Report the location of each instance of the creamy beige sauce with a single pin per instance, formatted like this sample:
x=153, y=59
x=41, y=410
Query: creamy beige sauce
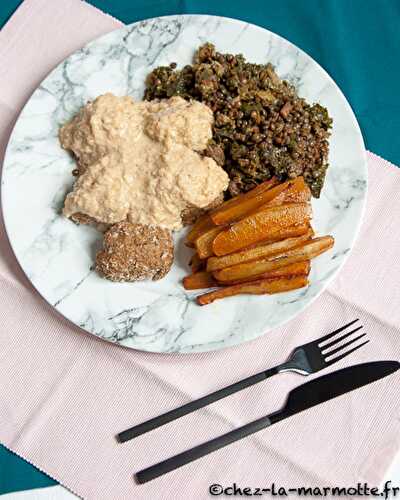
x=139, y=161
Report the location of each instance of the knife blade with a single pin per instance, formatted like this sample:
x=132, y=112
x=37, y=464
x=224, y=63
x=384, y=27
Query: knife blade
x=303, y=397
x=333, y=385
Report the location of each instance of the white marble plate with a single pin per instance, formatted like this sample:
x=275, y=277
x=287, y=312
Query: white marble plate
x=57, y=255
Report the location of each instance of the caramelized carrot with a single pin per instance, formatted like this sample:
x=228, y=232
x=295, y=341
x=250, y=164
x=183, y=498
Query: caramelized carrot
x=196, y=264
x=260, y=251
x=204, y=243
x=306, y=251
x=257, y=287
x=202, y=225
x=296, y=269
x=259, y=226
x=233, y=210
x=202, y=279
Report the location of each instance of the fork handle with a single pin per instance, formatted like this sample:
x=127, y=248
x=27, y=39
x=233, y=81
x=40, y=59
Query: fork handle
x=165, y=418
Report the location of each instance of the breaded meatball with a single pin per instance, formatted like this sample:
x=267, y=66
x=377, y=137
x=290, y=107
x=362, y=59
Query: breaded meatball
x=134, y=252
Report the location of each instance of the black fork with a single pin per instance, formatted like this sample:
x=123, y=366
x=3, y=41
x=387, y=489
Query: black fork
x=304, y=360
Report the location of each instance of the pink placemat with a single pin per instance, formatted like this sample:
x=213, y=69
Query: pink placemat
x=65, y=394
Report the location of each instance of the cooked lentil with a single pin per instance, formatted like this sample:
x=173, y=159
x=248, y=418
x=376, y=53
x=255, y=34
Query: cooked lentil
x=261, y=126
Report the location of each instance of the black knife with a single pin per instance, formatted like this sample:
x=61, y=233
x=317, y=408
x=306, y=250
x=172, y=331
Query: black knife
x=301, y=398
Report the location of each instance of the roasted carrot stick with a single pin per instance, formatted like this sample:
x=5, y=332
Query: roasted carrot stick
x=296, y=269
x=247, y=203
x=260, y=251
x=202, y=225
x=289, y=232
x=260, y=226
x=204, y=243
x=264, y=186
x=257, y=287
x=202, y=279
x=196, y=264
x=297, y=192
x=306, y=251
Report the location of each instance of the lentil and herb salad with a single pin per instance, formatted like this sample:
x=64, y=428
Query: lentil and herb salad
x=262, y=128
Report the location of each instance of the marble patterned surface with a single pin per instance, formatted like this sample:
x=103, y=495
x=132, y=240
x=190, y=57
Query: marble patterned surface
x=57, y=255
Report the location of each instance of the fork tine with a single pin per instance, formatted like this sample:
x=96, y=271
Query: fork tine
x=341, y=347
x=335, y=341
x=338, y=358
x=330, y=335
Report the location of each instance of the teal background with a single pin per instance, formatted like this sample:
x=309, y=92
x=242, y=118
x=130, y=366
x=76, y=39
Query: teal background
x=356, y=41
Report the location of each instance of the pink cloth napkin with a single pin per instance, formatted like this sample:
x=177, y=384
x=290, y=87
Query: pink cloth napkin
x=65, y=394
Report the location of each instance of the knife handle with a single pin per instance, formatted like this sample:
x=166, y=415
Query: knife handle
x=165, y=418
x=201, y=450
